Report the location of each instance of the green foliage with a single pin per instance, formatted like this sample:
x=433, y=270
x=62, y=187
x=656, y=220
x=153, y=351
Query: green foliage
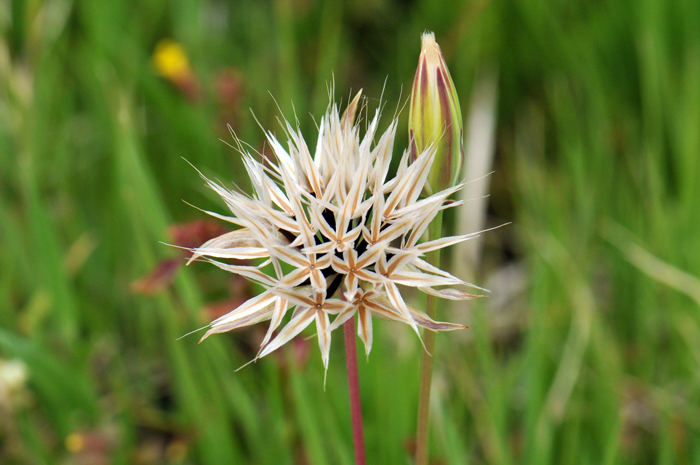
x=597, y=141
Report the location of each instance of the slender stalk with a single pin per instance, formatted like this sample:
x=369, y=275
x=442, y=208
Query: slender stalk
x=426, y=375
x=358, y=437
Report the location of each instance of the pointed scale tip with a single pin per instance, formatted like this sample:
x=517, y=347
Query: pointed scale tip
x=427, y=39
x=206, y=335
x=430, y=50
x=348, y=118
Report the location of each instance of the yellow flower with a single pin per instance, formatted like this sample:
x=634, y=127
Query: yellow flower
x=171, y=61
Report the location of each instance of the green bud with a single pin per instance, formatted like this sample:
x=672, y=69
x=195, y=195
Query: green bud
x=435, y=116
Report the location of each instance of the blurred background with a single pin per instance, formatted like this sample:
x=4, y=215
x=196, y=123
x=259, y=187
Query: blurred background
x=587, y=351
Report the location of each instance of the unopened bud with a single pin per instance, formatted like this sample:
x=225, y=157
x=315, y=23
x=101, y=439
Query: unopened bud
x=435, y=116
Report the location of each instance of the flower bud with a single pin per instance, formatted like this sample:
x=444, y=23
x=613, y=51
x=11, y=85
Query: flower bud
x=435, y=116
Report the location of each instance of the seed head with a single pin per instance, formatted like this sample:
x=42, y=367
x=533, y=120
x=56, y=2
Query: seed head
x=349, y=235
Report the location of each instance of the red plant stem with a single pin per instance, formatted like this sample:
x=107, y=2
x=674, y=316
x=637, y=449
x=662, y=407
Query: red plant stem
x=358, y=437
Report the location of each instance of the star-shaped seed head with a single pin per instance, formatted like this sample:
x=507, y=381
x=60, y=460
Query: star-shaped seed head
x=337, y=237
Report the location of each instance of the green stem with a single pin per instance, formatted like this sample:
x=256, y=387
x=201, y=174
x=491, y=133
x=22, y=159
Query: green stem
x=426, y=375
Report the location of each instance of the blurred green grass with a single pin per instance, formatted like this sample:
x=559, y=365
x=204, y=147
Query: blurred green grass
x=597, y=149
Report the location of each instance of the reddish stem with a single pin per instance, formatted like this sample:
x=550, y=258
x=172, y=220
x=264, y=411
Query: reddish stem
x=354, y=387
